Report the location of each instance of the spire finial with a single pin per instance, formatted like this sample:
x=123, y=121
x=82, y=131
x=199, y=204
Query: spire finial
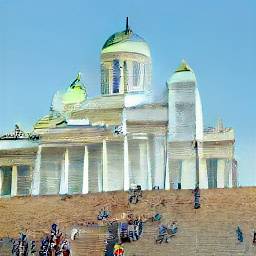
x=78, y=78
x=127, y=26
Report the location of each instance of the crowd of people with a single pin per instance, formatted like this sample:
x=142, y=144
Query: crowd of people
x=131, y=229
x=135, y=194
x=54, y=244
x=21, y=246
x=128, y=230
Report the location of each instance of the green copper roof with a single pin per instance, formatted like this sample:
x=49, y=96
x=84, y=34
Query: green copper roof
x=126, y=35
x=76, y=92
x=50, y=121
x=126, y=41
x=183, y=67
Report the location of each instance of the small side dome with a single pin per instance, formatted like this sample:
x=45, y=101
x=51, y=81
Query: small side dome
x=52, y=120
x=183, y=73
x=76, y=93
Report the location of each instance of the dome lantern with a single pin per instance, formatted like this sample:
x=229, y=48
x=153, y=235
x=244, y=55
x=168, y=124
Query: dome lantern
x=125, y=63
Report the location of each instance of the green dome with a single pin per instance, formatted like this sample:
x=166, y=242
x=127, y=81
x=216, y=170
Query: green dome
x=76, y=93
x=126, y=41
x=50, y=121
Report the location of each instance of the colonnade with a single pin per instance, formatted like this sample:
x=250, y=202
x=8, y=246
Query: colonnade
x=113, y=166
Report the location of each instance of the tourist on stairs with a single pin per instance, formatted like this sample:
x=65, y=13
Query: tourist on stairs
x=196, y=197
x=254, y=237
x=239, y=233
x=118, y=250
x=173, y=228
x=162, y=234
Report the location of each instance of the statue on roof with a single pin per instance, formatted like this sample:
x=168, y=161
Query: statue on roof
x=18, y=134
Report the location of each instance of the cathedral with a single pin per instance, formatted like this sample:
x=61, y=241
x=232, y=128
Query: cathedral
x=122, y=137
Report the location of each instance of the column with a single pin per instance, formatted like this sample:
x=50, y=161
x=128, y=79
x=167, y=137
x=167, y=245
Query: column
x=230, y=185
x=141, y=175
x=14, y=180
x=85, y=189
x=149, y=174
x=158, y=173
x=167, y=174
x=36, y=173
x=126, y=165
x=188, y=174
x=220, y=173
x=64, y=175
x=203, y=176
x=105, y=166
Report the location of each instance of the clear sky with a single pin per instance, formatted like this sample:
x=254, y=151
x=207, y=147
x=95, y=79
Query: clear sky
x=43, y=44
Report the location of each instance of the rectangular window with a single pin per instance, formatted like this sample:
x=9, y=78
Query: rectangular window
x=104, y=79
x=116, y=76
x=136, y=74
x=125, y=76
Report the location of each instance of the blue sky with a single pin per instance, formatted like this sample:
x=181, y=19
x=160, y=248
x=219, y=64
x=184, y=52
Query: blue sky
x=43, y=44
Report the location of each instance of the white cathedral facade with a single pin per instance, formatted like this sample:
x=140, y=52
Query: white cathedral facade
x=122, y=137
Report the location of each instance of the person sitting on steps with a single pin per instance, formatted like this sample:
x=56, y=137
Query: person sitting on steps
x=173, y=228
x=162, y=234
x=156, y=217
x=103, y=214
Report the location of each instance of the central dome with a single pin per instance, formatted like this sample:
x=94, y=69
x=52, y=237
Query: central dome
x=126, y=41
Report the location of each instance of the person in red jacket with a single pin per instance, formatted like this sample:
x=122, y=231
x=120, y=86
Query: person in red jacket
x=118, y=250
